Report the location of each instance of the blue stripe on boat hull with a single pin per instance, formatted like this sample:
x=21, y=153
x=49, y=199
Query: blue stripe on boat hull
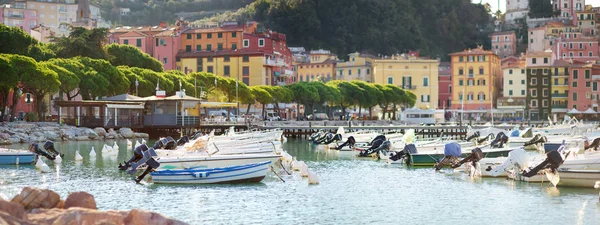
x=12, y=159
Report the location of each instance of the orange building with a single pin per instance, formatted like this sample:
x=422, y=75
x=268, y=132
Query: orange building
x=226, y=37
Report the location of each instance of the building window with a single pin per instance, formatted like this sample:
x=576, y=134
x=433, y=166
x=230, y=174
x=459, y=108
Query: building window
x=209, y=35
x=209, y=69
x=358, y=72
x=522, y=92
x=245, y=58
x=533, y=61
x=522, y=71
x=219, y=47
x=545, y=81
x=425, y=81
x=480, y=71
x=460, y=82
x=233, y=46
x=208, y=47
x=189, y=36
x=574, y=97
x=510, y=92
x=198, y=47
x=246, y=81
x=545, y=60
x=510, y=82
x=590, y=54
x=368, y=71
x=245, y=71
x=233, y=34
x=470, y=71
x=390, y=80
x=125, y=42
x=575, y=74
x=534, y=103
x=219, y=35
x=533, y=81
x=587, y=84
x=226, y=70
x=261, y=42
x=226, y=58
x=198, y=36
x=574, y=84
x=587, y=74
x=246, y=43
x=164, y=60
x=460, y=71
x=209, y=59
x=188, y=48
x=509, y=71
x=533, y=92
x=545, y=92
x=522, y=81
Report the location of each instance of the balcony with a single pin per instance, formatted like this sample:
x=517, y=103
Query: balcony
x=19, y=5
x=516, y=103
x=560, y=95
x=62, y=10
x=21, y=16
x=470, y=76
x=273, y=62
x=410, y=87
x=288, y=72
x=563, y=106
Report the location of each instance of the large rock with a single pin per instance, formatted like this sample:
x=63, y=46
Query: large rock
x=139, y=217
x=37, y=137
x=80, y=199
x=68, y=134
x=76, y=216
x=91, y=134
x=100, y=131
x=142, y=135
x=25, y=126
x=82, y=138
x=7, y=219
x=111, y=134
x=13, y=209
x=53, y=136
x=126, y=132
x=44, y=216
x=32, y=198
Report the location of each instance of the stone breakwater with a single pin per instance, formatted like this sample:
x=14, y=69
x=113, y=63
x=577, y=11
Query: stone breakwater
x=44, y=207
x=21, y=132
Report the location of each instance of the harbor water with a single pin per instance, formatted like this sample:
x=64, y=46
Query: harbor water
x=352, y=191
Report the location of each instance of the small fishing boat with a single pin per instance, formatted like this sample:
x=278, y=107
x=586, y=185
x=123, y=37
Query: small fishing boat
x=430, y=159
x=16, y=157
x=246, y=173
x=213, y=161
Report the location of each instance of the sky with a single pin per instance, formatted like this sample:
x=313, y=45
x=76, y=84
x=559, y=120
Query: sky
x=494, y=3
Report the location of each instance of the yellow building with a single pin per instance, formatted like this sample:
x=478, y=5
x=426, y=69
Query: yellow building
x=321, y=66
x=476, y=77
x=249, y=67
x=356, y=68
x=560, y=86
x=412, y=73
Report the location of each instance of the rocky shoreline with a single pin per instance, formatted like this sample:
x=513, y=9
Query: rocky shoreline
x=44, y=207
x=25, y=132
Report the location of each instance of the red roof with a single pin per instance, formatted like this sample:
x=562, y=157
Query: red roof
x=195, y=54
x=134, y=34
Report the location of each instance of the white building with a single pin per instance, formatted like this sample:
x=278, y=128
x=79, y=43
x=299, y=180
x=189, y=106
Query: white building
x=516, y=9
x=568, y=8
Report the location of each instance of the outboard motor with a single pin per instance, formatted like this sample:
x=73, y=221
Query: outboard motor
x=516, y=158
x=379, y=137
x=408, y=149
x=474, y=135
x=159, y=144
x=336, y=137
x=383, y=148
x=452, y=151
x=49, y=146
x=170, y=143
x=537, y=139
x=350, y=142
x=500, y=140
x=474, y=157
x=197, y=135
x=36, y=149
x=315, y=136
x=374, y=145
x=481, y=140
x=325, y=138
x=553, y=160
x=137, y=155
x=595, y=144
x=148, y=160
x=183, y=140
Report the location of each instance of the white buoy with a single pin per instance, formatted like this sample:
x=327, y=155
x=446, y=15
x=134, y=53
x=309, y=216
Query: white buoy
x=283, y=139
x=137, y=144
x=115, y=146
x=143, y=141
x=40, y=165
x=312, y=178
x=129, y=143
x=78, y=156
x=304, y=170
x=296, y=165
x=92, y=153
x=58, y=159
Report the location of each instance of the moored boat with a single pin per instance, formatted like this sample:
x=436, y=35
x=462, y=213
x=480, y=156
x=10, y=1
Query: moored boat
x=245, y=173
x=16, y=157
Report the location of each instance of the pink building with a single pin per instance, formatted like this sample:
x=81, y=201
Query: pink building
x=504, y=44
x=568, y=8
x=575, y=46
x=138, y=39
x=444, y=85
x=580, y=88
x=166, y=45
x=275, y=48
x=586, y=21
x=16, y=15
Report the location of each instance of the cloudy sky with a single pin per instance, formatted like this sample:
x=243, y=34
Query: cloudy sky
x=494, y=3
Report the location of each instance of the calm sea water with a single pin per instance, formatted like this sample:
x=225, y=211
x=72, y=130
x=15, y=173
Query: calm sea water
x=352, y=191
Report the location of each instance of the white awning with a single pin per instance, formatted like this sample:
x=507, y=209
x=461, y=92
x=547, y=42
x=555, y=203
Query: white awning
x=123, y=106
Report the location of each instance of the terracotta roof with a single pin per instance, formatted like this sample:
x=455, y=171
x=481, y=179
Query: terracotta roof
x=134, y=34
x=503, y=33
x=560, y=63
x=214, y=29
x=555, y=24
x=196, y=54
x=475, y=51
x=328, y=61
x=144, y=29
x=538, y=54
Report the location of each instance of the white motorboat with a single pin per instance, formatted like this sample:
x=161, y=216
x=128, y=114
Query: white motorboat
x=213, y=161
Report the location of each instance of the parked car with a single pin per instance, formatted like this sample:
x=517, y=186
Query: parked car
x=271, y=116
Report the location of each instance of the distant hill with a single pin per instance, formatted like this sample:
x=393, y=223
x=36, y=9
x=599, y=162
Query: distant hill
x=434, y=27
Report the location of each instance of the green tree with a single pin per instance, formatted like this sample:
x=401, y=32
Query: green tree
x=16, y=41
x=69, y=72
x=24, y=67
x=82, y=42
x=43, y=81
x=350, y=93
x=262, y=96
x=303, y=94
x=109, y=74
x=8, y=75
x=372, y=96
x=128, y=55
x=391, y=96
x=540, y=8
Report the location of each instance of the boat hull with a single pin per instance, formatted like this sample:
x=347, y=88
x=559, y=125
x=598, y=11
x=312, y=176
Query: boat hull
x=234, y=174
x=16, y=157
x=215, y=161
x=426, y=159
